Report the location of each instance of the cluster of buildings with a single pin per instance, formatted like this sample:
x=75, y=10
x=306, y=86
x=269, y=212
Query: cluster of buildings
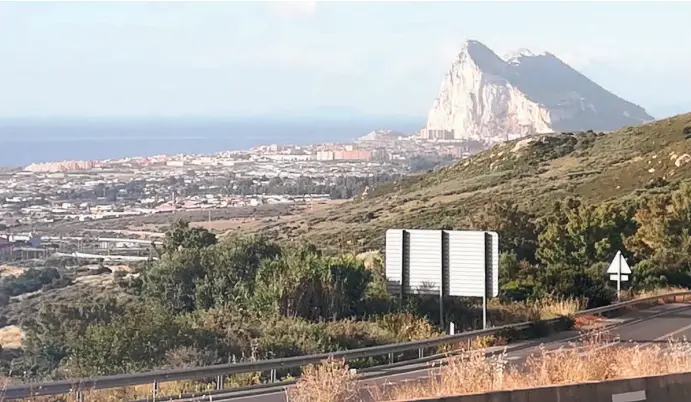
x=10, y=242
x=381, y=146
x=44, y=193
x=62, y=166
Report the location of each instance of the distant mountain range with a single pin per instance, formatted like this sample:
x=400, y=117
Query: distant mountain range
x=492, y=99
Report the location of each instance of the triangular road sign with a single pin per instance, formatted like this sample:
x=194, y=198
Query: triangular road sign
x=619, y=265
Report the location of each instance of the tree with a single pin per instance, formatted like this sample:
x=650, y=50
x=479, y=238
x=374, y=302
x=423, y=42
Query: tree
x=200, y=278
x=53, y=333
x=664, y=223
x=181, y=235
x=580, y=235
x=231, y=270
x=172, y=280
x=306, y=284
x=134, y=341
x=515, y=227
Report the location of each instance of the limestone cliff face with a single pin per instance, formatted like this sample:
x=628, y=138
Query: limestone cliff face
x=484, y=97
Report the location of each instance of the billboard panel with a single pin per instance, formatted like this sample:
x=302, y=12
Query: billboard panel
x=425, y=270
x=492, y=264
x=466, y=263
x=393, y=259
x=463, y=263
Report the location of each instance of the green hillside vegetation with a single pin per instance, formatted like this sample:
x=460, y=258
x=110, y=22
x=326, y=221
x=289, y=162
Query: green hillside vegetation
x=533, y=173
x=562, y=205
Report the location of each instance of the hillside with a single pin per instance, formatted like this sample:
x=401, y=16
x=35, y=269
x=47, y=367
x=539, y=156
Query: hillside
x=533, y=171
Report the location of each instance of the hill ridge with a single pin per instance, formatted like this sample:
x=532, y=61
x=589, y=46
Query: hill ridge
x=533, y=172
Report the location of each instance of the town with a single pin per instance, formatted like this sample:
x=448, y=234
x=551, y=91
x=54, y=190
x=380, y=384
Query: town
x=42, y=194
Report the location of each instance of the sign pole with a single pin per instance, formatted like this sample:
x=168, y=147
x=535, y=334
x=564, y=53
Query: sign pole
x=484, y=289
x=441, y=308
x=442, y=276
x=484, y=312
x=619, y=278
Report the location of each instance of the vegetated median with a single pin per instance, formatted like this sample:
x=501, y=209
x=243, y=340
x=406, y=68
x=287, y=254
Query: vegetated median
x=473, y=372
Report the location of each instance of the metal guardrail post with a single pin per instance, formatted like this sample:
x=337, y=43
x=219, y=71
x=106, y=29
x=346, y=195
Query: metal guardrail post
x=155, y=390
x=390, y=358
x=272, y=376
x=80, y=396
x=219, y=381
x=421, y=353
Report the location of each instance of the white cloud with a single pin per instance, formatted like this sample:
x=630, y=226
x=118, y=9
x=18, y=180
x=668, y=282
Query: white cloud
x=293, y=9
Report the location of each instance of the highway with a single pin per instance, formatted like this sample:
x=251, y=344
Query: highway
x=656, y=324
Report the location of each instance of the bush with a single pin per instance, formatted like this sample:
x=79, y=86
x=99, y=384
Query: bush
x=138, y=340
x=30, y=280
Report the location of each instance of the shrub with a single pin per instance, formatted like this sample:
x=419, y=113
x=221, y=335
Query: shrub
x=30, y=280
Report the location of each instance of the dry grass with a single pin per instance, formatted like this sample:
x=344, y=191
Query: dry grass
x=10, y=270
x=544, y=309
x=549, y=308
x=255, y=223
x=595, y=359
x=331, y=381
x=11, y=337
x=653, y=292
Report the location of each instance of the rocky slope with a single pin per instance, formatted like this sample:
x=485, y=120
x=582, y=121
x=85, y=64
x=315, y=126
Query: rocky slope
x=487, y=98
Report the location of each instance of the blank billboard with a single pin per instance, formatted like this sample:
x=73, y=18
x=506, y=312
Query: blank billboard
x=462, y=263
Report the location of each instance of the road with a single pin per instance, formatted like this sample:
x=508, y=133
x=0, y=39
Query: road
x=656, y=324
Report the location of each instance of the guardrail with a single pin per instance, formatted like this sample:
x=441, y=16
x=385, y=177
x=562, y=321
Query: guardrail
x=271, y=365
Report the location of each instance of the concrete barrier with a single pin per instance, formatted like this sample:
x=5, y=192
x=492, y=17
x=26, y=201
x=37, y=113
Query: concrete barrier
x=662, y=388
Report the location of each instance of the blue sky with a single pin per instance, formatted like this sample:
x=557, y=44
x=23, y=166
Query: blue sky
x=237, y=59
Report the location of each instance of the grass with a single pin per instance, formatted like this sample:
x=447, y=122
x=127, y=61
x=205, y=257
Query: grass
x=653, y=292
x=536, y=171
x=543, y=309
x=332, y=378
x=593, y=360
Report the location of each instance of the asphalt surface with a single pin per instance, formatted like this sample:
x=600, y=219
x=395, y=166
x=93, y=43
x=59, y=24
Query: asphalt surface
x=655, y=325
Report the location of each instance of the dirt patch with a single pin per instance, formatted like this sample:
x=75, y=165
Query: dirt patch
x=254, y=224
x=586, y=320
x=224, y=225
x=11, y=337
x=559, y=167
x=10, y=270
x=95, y=280
x=123, y=268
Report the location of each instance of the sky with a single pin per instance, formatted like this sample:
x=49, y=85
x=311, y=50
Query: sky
x=258, y=58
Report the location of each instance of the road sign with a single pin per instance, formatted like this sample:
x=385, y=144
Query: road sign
x=443, y=262
x=619, y=271
x=619, y=265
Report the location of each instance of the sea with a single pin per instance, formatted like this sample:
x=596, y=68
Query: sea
x=26, y=141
